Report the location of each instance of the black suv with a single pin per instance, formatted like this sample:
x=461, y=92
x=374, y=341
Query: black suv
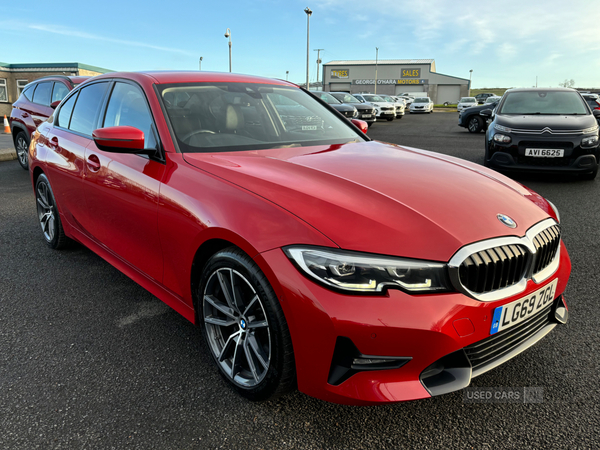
x=348, y=111
x=471, y=119
x=544, y=130
x=35, y=104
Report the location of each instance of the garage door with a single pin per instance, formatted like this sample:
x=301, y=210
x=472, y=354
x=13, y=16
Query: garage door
x=448, y=93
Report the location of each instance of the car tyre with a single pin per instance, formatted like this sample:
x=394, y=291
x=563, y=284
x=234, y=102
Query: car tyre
x=48, y=215
x=389, y=119
x=475, y=124
x=22, y=149
x=244, y=326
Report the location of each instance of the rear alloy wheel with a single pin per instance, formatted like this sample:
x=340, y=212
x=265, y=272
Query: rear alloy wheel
x=389, y=119
x=475, y=124
x=244, y=326
x=48, y=215
x=22, y=148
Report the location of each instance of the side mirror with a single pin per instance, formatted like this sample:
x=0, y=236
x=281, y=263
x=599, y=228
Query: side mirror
x=487, y=113
x=361, y=124
x=53, y=105
x=121, y=139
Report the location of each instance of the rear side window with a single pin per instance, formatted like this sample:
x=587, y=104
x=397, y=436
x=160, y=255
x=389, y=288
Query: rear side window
x=59, y=92
x=28, y=92
x=41, y=96
x=85, y=113
x=64, y=115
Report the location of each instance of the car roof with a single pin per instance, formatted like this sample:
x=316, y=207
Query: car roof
x=548, y=89
x=167, y=77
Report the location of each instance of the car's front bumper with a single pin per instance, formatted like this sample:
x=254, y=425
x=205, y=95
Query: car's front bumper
x=422, y=329
x=511, y=157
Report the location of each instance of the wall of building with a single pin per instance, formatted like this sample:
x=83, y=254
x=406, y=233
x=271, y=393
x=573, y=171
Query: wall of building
x=393, y=79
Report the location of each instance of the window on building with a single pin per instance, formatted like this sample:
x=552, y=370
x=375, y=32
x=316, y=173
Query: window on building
x=3, y=93
x=20, y=86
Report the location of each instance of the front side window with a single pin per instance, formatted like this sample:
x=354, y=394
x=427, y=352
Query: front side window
x=85, y=112
x=543, y=102
x=210, y=117
x=41, y=96
x=3, y=93
x=59, y=92
x=128, y=107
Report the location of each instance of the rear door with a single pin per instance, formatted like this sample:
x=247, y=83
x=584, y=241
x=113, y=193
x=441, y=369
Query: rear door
x=66, y=141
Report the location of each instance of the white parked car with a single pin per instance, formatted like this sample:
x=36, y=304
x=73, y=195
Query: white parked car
x=466, y=102
x=383, y=109
x=408, y=99
x=421, y=104
x=399, y=105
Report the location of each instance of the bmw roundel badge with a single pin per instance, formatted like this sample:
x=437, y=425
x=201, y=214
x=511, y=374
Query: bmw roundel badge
x=507, y=221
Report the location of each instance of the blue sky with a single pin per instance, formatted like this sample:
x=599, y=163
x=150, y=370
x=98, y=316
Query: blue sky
x=507, y=43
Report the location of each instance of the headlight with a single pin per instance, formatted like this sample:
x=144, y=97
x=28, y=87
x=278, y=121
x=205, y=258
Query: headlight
x=591, y=129
x=555, y=209
x=502, y=138
x=503, y=129
x=591, y=141
x=360, y=272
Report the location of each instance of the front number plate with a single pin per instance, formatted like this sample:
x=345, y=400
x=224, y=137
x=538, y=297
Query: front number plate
x=516, y=312
x=366, y=116
x=545, y=152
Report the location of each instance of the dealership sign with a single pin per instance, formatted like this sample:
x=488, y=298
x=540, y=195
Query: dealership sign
x=340, y=73
x=410, y=73
x=395, y=81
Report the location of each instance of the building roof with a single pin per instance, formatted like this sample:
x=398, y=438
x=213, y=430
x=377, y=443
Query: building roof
x=50, y=67
x=381, y=61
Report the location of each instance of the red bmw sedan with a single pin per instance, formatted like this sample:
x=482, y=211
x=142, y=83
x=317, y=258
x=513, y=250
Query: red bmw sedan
x=309, y=255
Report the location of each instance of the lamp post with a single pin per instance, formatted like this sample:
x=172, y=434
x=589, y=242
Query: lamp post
x=308, y=12
x=318, y=50
x=376, y=58
x=200, y=63
x=470, y=73
x=228, y=35
x=287, y=72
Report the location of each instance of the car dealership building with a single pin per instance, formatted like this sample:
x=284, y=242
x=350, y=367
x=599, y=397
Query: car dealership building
x=394, y=76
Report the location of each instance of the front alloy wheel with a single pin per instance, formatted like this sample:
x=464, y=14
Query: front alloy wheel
x=244, y=326
x=22, y=147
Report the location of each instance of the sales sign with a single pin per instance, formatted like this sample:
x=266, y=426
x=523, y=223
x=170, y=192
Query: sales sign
x=411, y=73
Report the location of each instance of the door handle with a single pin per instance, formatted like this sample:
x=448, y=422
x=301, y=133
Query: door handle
x=93, y=163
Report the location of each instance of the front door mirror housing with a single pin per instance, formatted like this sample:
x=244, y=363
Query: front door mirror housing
x=361, y=124
x=120, y=139
x=487, y=113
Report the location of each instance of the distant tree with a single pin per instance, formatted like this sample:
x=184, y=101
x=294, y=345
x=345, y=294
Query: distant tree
x=567, y=83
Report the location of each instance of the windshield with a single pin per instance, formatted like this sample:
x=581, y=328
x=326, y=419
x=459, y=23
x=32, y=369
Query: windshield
x=387, y=98
x=422, y=100
x=326, y=97
x=346, y=98
x=543, y=102
x=468, y=100
x=373, y=98
x=218, y=117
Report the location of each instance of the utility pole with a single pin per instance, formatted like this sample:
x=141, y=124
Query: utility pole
x=308, y=12
x=318, y=50
x=376, y=59
x=200, y=64
x=287, y=72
